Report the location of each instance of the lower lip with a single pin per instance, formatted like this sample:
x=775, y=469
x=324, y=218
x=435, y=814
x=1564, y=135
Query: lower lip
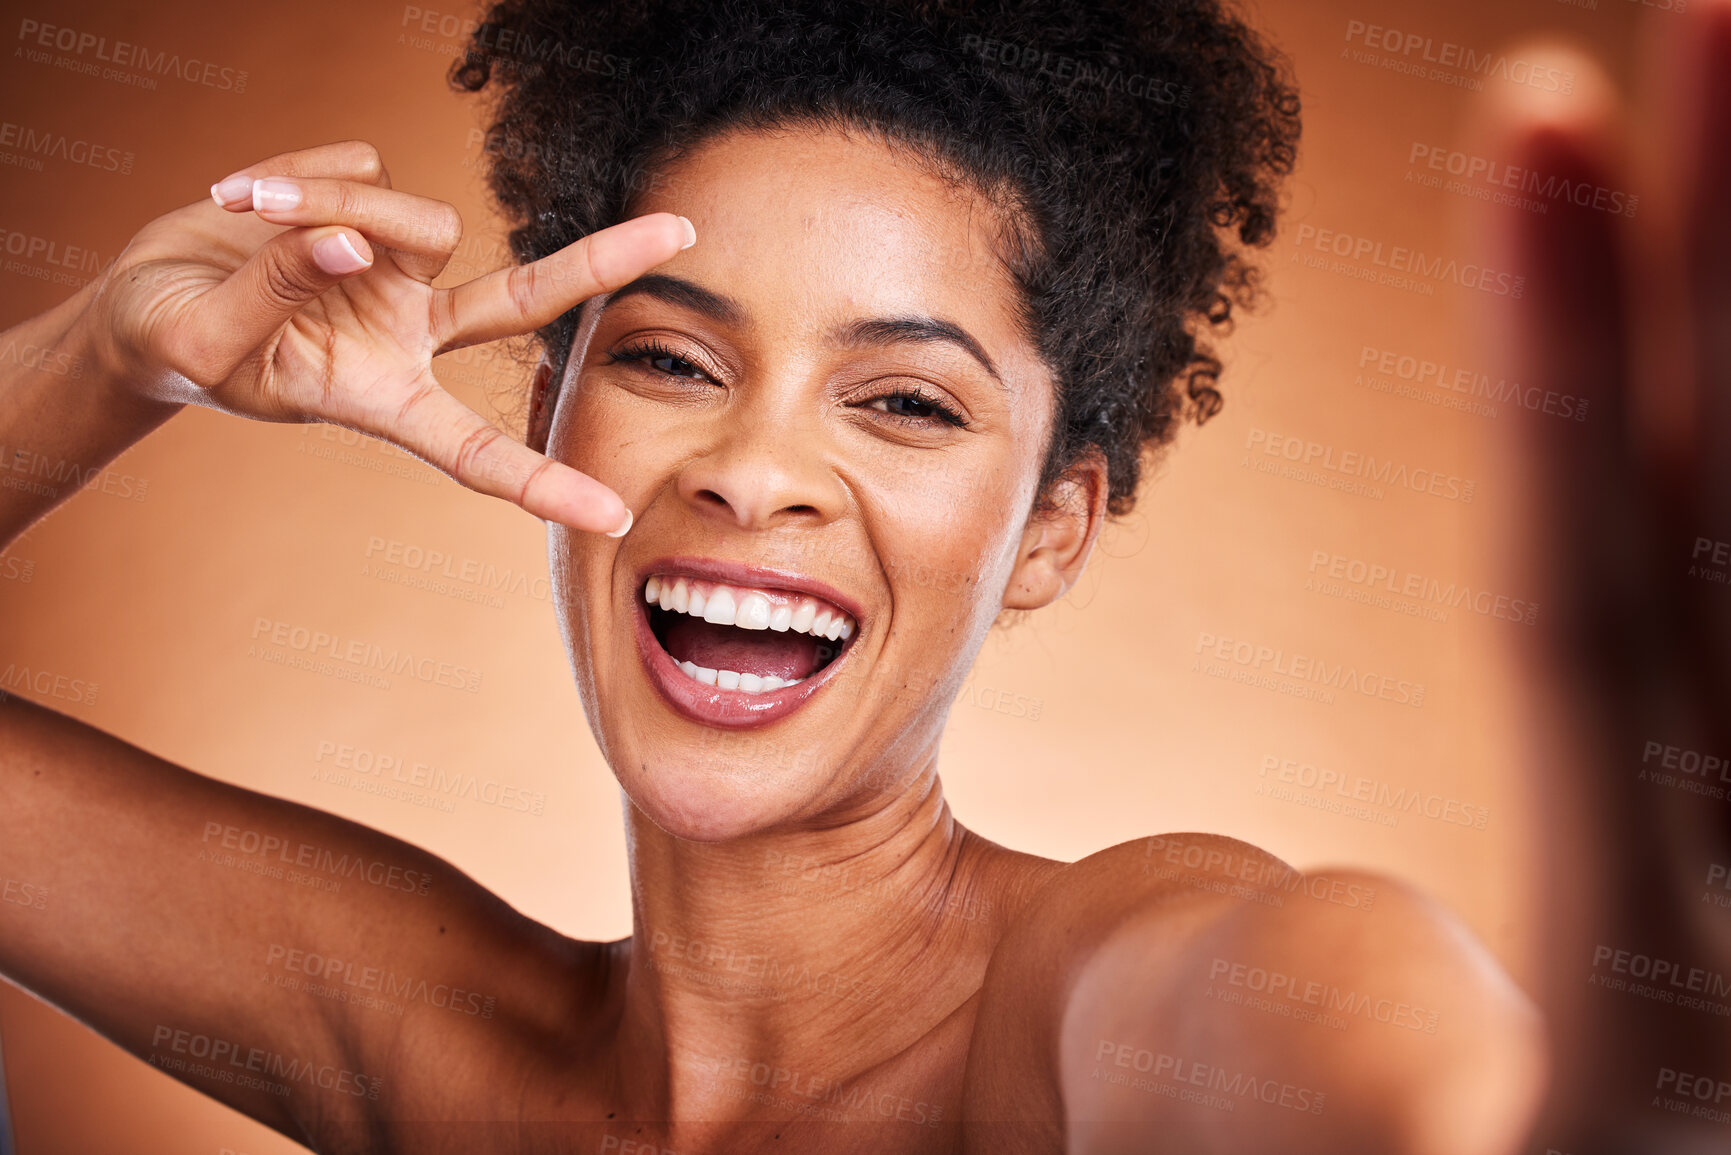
x=713, y=706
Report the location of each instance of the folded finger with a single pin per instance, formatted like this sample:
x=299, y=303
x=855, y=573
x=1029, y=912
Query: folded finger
x=408, y=225
x=345, y=160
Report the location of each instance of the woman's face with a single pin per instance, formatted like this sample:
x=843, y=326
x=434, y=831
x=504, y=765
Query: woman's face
x=830, y=426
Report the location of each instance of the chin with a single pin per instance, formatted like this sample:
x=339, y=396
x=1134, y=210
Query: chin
x=714, y=704
x=704, y=798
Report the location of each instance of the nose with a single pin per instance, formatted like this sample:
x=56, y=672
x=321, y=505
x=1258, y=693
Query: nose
x=764, y=467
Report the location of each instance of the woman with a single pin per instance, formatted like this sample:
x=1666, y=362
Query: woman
x=821, y=293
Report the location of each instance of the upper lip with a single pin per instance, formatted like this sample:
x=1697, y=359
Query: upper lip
x=736, y=573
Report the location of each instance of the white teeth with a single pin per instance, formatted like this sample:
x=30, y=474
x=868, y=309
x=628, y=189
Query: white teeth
x=719, y=609
x=749, y=609
x=744, y=609
x=753, y=612
x=732, y=680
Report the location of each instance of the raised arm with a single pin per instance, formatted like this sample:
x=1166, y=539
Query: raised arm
x=1193, y=988
x=266, y=953
x=307, y=297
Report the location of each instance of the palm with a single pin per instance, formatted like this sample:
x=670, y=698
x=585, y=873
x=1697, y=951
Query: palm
x=362, y=348
x=318, y=305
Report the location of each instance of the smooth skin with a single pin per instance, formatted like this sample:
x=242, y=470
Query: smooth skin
x=856, y=941
x=816, y=937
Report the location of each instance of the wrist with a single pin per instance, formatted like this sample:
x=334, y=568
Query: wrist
x=86, y=347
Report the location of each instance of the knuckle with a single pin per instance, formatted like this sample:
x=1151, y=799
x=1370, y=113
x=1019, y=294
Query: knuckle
x=593, y=273
x=438, y=228
x=284, y=281
x=367, y=163
x=345, y=205
x=447, y=226
x=442, y=319
x=529, y=480
x=603, y=268
x=472, y=460
x=520, y=285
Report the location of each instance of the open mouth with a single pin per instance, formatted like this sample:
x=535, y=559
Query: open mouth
x=752, y=639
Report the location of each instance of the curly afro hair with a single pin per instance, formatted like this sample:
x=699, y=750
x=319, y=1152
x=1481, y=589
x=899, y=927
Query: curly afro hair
x=1136, y=146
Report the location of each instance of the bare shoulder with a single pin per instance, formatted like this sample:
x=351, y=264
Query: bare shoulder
x=1318, y=1007
x=1181, y=880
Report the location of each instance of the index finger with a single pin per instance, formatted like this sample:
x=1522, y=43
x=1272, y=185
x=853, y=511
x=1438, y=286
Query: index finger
x=523, y=298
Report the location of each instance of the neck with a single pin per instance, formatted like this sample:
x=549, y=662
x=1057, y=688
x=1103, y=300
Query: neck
x=822, y=950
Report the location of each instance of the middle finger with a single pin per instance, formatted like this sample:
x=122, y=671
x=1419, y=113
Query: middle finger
x=424, y=230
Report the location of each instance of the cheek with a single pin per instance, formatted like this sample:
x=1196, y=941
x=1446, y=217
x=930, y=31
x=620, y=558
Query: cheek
x=570, y=558
x=583, y=434
x=627, y=444
x=572, y=555
x=948, y=542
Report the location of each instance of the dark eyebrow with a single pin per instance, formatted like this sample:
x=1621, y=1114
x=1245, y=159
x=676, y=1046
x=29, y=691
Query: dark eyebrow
x=879, y=331
x=677, y=291
x=889, y=331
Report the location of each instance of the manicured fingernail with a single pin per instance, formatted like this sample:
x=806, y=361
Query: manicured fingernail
x=278, y=196
x=231, y=190
x=625, y=527
x=690, y=239
x=336, y=255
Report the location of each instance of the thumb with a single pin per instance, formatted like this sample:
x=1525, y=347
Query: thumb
x=447, y=434
x=286, y=272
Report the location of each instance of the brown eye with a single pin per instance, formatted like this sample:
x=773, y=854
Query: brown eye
x=904, y=406
x=658, y=358
x=915, y=406
x=674, y=366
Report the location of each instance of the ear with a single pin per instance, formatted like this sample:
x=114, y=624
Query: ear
x=541, y=398
x=1060, y=535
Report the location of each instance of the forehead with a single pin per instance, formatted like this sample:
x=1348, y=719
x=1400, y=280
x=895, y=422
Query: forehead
x=810, y=227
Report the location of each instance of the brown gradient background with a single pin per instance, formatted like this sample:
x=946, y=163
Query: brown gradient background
x=154, y=600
